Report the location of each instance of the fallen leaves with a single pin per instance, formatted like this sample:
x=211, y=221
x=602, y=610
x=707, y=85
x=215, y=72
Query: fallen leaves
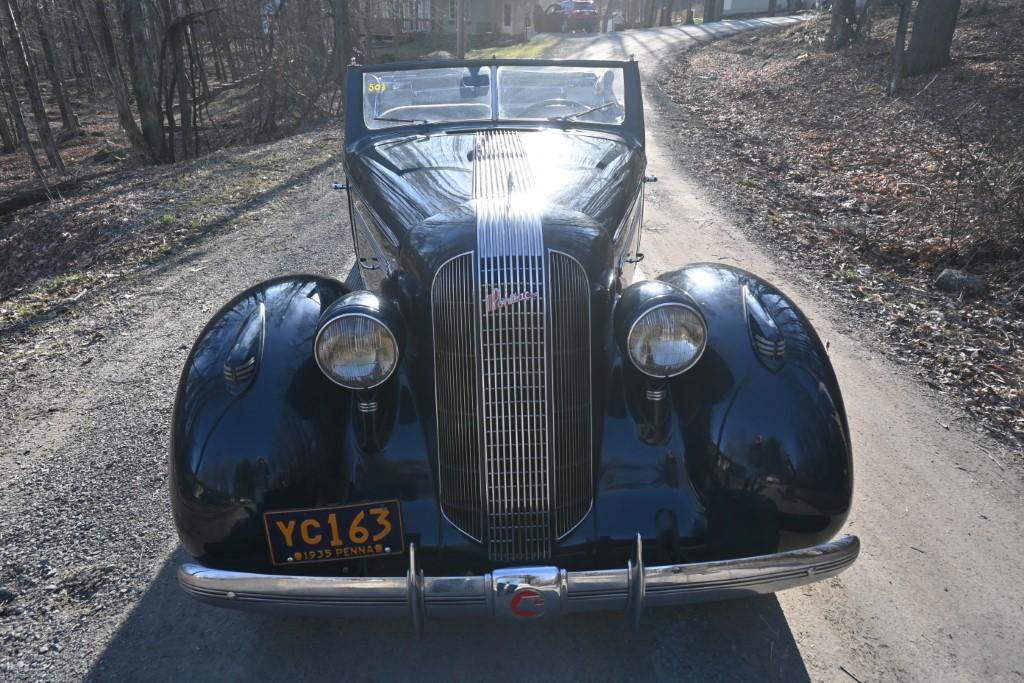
x=878, y=195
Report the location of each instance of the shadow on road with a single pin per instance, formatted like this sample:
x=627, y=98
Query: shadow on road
x=170, y=637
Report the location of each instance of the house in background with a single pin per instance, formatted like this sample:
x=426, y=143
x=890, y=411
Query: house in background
x=403, y=17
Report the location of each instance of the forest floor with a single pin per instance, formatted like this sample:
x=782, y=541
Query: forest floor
x=124, y=215
x=879, y=195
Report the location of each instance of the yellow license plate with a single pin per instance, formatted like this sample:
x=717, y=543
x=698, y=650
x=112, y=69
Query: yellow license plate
x=348, y=532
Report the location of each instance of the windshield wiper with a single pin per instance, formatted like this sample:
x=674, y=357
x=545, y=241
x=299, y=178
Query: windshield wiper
x=584, y=112
x=388, y=119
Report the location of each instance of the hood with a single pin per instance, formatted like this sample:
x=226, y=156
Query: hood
x=568, y=175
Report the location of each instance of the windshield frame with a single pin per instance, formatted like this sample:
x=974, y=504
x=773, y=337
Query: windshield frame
x=632, y=125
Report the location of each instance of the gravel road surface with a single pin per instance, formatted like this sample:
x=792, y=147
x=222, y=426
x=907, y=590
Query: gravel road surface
x=88, y=551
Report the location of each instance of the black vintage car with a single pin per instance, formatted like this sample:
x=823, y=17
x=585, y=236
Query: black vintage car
x=499, y=419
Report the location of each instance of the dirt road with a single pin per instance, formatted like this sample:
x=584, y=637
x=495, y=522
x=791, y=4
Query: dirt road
x=88, y=551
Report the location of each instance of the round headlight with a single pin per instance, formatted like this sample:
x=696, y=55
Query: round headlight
x=667, y=340
x=356, y=351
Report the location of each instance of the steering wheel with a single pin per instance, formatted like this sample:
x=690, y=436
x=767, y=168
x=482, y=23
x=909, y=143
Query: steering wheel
x=535, y=109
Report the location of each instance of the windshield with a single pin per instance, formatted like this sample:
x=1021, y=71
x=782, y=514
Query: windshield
x=481, y=93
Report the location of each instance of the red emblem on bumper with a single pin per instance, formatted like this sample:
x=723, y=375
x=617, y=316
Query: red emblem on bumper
x=531, y=598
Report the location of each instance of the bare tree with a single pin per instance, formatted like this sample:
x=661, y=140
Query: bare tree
x=867, y=18
x=342, y=49
x=67, y=117
x=138, y=38
x=899, y=47
x=713, y=10
x=7, y=141
x=844, y=24
x=934, y=24
x=31, y=85
x=667, y=11
x=103, y=42
x=7, y=76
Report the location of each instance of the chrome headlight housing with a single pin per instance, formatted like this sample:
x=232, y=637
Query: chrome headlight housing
x=660, y=329
x=357, y=344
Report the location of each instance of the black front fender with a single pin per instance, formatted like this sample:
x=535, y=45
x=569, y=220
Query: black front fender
x=767, y=439
x=256, y=424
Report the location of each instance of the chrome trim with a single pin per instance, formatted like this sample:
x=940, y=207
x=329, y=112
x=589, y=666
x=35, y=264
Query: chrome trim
x=527, y=593
x=656, y=394
x=468, y=596
x=366, y=406
x=414, y=578
x=636, y=585
x=394, y=340
x=513, y=350
x=697, y=357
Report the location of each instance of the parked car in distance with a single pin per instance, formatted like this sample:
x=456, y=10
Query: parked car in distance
x=571, y=16
x=498, y=414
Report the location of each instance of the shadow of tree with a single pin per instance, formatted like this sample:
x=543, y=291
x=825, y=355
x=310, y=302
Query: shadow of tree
x=179, y=253
x=168, y=636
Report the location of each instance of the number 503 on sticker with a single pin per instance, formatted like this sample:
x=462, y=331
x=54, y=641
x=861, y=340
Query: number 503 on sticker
x=336, y=533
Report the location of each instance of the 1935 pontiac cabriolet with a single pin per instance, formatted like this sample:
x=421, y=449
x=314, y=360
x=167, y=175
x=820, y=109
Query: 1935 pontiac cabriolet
x=500, y=420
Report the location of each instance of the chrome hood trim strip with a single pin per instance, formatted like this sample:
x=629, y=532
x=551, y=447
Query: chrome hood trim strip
x=513, y=350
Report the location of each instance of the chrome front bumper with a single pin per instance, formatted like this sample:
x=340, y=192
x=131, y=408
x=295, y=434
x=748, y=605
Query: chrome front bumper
x=522, y=593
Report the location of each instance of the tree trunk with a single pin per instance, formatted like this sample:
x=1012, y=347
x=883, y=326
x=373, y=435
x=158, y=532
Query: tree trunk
x=6, y=136
x=867, y=18
x=7, y=76
x=68, y=44
x=667, y=11
x=104, y=44
x=21, y=55
x=184, y=102
x=899, y=47
x=844, y=19
x=138, y=40
x=606, y=16
x=934, y=24
x=83, y=59
x=342, y=50
x=67, y=116
x=773, y=7
x=713, y=10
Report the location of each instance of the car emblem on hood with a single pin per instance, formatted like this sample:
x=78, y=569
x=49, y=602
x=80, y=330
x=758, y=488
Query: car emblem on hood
x=495, y=301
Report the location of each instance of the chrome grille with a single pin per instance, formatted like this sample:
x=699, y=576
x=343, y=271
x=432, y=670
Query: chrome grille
x=507, y=342
x=571, y=434
x=458, y=423
x=513, y=351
